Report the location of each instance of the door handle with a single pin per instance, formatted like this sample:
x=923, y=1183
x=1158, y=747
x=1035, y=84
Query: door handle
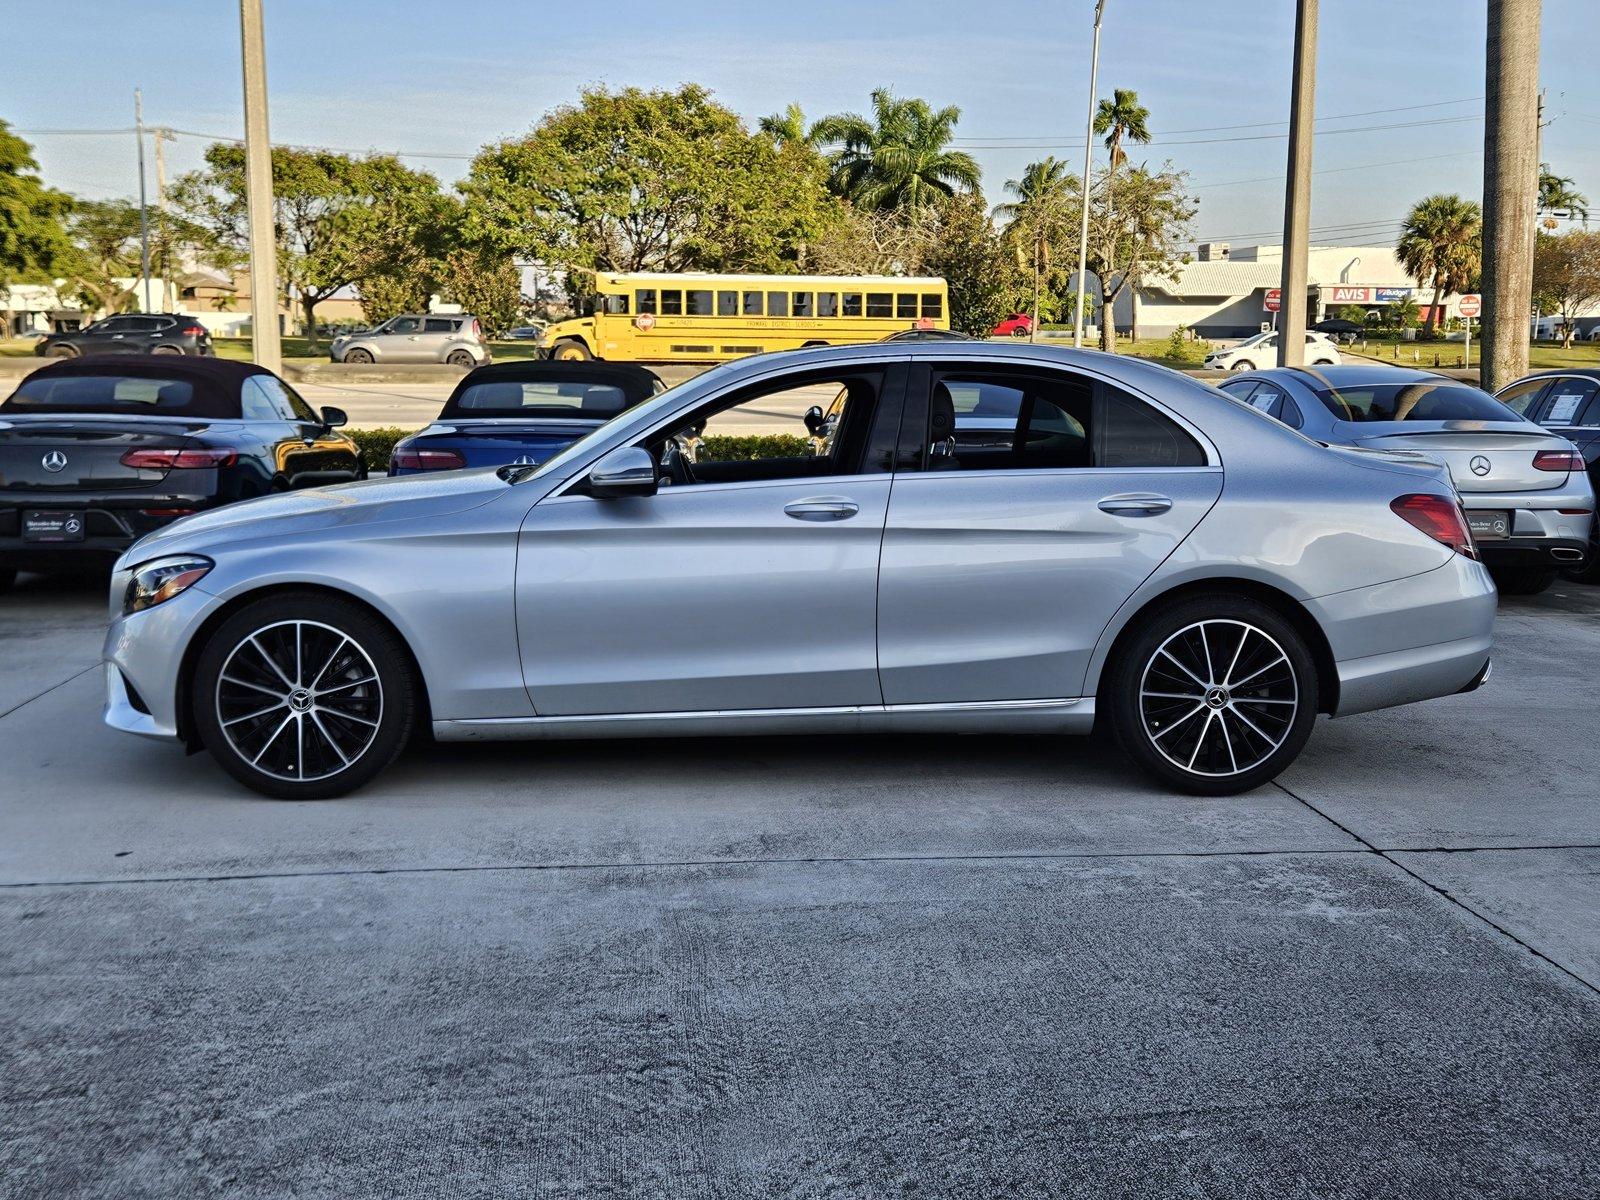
x=822, y=508
x=1136, y=504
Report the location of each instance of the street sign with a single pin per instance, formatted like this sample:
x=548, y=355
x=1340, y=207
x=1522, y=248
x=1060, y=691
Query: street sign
x=1471, y=306
x=1272, y=301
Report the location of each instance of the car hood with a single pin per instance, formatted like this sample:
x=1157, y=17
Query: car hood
x=407, y=498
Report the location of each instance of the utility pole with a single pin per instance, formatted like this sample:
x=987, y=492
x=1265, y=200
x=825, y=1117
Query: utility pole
x=1088, y=163
x=144, y=219
x=1510, y=187
x=162, y=135
x=265, y=343
x=1297, y=197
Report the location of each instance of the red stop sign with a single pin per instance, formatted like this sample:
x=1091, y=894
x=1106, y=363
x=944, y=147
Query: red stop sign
x=1272, y=300
x=645, y=322
x=1471, y=306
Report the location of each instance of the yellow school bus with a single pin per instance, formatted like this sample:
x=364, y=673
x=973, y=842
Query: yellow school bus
x=650, y=317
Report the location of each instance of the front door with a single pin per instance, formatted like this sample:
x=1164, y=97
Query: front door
x=1005, y=557
x=749, y=581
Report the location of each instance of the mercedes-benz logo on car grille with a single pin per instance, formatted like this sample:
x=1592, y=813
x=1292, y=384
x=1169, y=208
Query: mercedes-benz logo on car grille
x=526, y=460
x=1479, y=465
x=55, y=460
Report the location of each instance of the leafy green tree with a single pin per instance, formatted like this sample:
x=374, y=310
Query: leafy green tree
x=900, y=156
x=1566, y=276
x=1559, y=196
x=1441, y=240
x=1121, y=119
x=636, y=181
x=968, y=252
x=105, y=251
x=789, y=128
x=487, y=284
x=334, y=215
x=1039, y=228
x=1402, y=313
x=33, y=236
x=1138, y=238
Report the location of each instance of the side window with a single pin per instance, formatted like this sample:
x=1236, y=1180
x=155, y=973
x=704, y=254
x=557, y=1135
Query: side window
x=906, y=306
x=802, y=304
x=614, y=303
x=255, y=403
x=752, y=304
x=713, y=445
x=404, y=325
x=880, y=304
x=267, y=398
x=727, y=304
x=671, y=302
x=645, y=300
x=933, y=305
x=1567, y=399
x=697, y=302
x=1054, y=421
x=1520, y=397
x=852, y=304
x=1239, y=389
x=777, y=304
x=1289, y=413
x=438, y=325
x=827, y=304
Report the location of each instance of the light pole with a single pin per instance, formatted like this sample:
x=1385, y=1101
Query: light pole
x=1510, y=187
x=266, y=347
x=1088, y=162
x=1297, y=202
x=144, y=217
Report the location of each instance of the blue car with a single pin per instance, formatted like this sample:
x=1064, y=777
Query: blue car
x=522, y=412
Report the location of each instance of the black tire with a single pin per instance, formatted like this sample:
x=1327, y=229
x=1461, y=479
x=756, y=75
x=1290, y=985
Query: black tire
x=357, y=355
x=1243, y=365
x=461, y=358
x=570, y=350
x=1019, y=332
x=61, y=351
x=1262, y=649
x=1590, y=571
x=1523, y=581
x=365, y=726
x=165, y=350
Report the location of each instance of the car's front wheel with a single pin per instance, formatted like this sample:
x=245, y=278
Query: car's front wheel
x=1213, y=695
x=461, y=358
x=304, y=696
x=357, y=356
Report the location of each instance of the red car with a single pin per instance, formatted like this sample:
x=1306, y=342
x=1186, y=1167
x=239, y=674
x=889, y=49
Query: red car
x=1017, y=325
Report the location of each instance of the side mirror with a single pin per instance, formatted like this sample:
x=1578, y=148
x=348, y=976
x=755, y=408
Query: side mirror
x=332, y=417
x=625, y=471
x=813, y=419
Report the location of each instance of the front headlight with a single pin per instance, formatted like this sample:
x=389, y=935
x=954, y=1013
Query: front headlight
x=160, y=579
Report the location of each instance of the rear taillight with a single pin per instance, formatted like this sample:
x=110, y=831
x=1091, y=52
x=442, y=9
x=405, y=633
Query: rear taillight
x=180, y=460
x=194, y=331
x=1441, y=519
x=477, y=330
x=168, y=514
x=1558, y=460
x=426, y=460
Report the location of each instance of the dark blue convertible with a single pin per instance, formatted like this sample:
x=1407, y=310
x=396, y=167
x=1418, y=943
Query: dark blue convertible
x=522, y=412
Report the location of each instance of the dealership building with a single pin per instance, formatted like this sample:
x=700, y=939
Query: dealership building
x=1221, y=292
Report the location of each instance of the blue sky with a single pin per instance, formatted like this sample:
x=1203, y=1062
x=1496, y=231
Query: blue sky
x=446, y=78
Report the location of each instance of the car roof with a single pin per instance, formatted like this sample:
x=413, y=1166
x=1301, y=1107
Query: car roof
x=1350, y=375
x=216, y=381
x=636, y=383
x=1586, y=372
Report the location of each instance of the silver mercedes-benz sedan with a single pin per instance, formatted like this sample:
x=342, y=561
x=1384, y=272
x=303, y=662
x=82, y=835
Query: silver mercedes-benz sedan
x=1135, y=548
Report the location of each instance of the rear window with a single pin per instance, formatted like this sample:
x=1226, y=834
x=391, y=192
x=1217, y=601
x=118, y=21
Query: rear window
x=546, y=398
x=103, y=393
x=1426, y=400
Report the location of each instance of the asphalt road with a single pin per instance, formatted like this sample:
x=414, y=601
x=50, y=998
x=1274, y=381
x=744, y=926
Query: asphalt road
x=842, y=967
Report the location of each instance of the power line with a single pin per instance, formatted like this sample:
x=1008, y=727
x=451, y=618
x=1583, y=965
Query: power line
x=1259, y=137
x=1395, y=162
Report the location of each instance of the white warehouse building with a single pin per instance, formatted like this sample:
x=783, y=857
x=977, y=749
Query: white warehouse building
x=1221, y=292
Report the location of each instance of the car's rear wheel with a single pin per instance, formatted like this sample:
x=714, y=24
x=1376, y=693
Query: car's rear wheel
x=1019, y=332
x=1213, y=695
x=569, y=350
x=304, y=697
x=61, y=351
x=358, y=356
x=1523, y=581
x=165, y=350
x=461, y=358
x=1243, y=364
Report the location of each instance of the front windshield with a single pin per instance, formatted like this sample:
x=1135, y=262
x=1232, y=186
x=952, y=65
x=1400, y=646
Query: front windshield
x=1422, y=400
x=641, y=416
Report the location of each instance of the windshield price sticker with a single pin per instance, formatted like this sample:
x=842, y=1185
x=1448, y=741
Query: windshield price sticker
x=1562, y=409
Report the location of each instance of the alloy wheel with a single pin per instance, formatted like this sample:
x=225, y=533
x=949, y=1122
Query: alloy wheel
x=1218, y=697
x=299, y=700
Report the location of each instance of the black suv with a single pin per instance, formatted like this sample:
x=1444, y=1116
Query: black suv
x=131, y=333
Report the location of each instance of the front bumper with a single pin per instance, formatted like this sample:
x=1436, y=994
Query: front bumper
x=144, y=658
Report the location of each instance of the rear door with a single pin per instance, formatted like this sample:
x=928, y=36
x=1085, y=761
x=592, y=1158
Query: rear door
x=1007, y=550
x=437, y=334
x=402, y=341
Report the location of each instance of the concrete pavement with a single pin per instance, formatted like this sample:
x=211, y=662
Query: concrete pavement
x=798, y=967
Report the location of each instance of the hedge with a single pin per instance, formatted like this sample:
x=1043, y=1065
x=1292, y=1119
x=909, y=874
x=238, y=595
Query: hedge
x=377, y=444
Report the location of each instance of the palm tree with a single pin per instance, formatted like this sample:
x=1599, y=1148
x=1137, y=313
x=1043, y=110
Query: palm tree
x=1040, y=213
x=900, y=157
x=789, y=128
x=1122, y=118
x=1442, y=239
x=1559, y=196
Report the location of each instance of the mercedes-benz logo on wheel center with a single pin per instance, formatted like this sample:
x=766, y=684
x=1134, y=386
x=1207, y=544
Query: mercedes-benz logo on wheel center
x=1479, y=465
x=55, y=460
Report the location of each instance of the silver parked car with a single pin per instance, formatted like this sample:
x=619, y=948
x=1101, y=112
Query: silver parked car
x=454, y=338
x=1141, y=550
x=1525, y=489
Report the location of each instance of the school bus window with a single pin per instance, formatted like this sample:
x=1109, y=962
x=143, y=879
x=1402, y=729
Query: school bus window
x=777, y=304
x=880, y=304
x=827, y=304
x=932, y=304
x=614, y=304
x=699, y=303
x=906, y=305
x=852, y=304
x=645, y=300
x=671, y=302
x=802, y=304
x=752, y=304
x=727, y=304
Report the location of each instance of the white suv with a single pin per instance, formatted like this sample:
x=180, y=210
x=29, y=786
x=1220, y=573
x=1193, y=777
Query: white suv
x=1261, y=351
